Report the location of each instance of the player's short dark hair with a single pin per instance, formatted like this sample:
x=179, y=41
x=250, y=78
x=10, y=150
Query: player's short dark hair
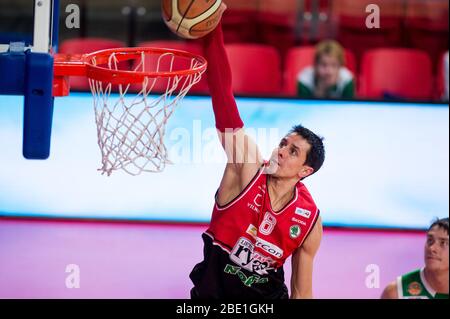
x=316, y=155
x=440, y=223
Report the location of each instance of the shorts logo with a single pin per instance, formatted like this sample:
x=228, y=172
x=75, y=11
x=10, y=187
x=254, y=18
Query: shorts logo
x=295, y=231
x=248, y=281
x=243, y=254
x=303, y=212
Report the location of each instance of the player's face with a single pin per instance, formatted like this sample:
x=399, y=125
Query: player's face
x=436, y=250
x=290, y=156
x=327, y=70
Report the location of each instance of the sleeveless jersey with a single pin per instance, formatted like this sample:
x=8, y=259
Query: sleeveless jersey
x=248, y=243
x=415, y=286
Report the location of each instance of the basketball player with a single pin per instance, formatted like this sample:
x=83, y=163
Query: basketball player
x=430, y=282
x=263, y=213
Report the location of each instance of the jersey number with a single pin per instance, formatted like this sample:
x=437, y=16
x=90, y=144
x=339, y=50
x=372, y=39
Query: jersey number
x=268, y=224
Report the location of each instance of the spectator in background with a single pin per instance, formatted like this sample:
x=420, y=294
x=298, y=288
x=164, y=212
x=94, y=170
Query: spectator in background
x=445, y=64
x=328, y=78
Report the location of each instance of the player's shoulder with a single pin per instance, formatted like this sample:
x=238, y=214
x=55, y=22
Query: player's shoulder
x=391, y=291
x=305, y=195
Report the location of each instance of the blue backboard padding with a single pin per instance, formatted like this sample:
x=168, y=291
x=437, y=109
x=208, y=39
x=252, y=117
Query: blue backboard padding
x=38, y=107
x=12, y=72
x=8, y=37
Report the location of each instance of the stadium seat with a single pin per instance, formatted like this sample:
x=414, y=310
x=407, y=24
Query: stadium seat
x=397, y=74
x=277, y=22
x=301, y=57
x=352, y=32
x=195, y=48
x=440, y=78
x=427, y=27
x=240, y=21
x=87, y=45
x=287, y=23
x=256, y=69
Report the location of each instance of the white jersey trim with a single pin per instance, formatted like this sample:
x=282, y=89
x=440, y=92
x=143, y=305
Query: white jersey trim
x=217, y=244
x=430, y=290
x=287, y=206
x=400, y=288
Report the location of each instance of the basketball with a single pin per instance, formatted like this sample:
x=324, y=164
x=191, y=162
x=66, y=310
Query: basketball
x=192, y=19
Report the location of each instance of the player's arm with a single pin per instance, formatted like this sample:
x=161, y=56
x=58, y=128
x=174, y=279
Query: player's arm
x=302, y=264
x=390, y=292
x=244, y=159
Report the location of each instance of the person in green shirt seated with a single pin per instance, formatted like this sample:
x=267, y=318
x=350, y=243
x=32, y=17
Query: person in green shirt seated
x=328, y=78
x=430, y=282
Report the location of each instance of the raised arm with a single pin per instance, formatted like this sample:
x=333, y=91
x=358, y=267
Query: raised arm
x=302, y=264
x=244, y=159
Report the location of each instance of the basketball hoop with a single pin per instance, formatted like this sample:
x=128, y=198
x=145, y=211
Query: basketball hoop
x=150, y=82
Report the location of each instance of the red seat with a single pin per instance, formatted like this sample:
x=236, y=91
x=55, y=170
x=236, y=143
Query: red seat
x=87, y=45
x=301, y=57
x=353, y=33
x=239, y=21
x=440, y=78
x=427, y=27
x=180, y=64
x=402, y=73
x=277, y=22
x=256, y=69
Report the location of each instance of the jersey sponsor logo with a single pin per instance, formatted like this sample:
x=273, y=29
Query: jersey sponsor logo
x=415, y=288
x=303, y=212
x=269, y=248
x=295, y=231
x=246, y=280
x=298, y=221
x=252, y=231
x=243, y=254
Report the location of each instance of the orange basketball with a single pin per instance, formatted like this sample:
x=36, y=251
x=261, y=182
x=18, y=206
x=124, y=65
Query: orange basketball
x=192, y=19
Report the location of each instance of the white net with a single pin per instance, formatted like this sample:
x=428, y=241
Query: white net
x=131, y=125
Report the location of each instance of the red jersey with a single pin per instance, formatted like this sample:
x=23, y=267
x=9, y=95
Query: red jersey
x=256, y=237
x=248, y=242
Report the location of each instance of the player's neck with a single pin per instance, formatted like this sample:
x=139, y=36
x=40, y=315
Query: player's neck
x=281, y=191
x=438, y=280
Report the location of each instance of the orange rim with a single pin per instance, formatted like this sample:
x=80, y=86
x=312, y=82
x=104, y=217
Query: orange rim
x=82, y=65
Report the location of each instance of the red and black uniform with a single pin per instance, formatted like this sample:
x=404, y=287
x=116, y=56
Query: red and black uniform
x=248, y=243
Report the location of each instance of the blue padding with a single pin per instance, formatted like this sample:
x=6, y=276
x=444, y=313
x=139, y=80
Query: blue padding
x=7, y=37
x=38, y=112
x=55, y=33
x=12, y=73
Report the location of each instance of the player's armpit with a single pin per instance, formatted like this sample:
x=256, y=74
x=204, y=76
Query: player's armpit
x=390, y=292
x=303, y=262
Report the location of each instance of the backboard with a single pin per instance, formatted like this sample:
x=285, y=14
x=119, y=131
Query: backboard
x=26, y=68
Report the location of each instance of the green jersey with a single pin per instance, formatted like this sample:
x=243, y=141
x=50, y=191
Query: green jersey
x=415, y=286
x=344, y=88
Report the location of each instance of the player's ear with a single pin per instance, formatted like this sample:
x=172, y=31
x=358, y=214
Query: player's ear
x=305, y=171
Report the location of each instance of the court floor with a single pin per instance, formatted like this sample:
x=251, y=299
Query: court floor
x=125, y=260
